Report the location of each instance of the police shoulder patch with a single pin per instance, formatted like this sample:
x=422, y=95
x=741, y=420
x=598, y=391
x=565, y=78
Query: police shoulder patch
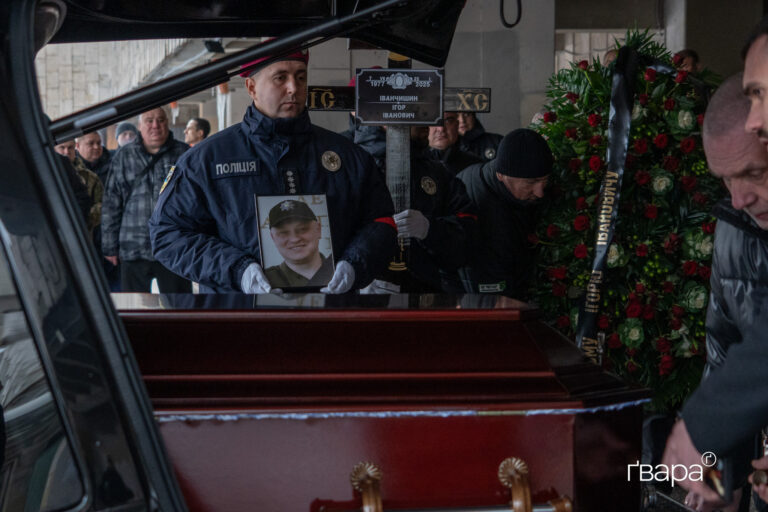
x=167, y=178
x=428, y=185
x=331, y=161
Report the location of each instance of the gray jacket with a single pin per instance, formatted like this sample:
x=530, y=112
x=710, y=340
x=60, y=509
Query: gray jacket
x=127, y=206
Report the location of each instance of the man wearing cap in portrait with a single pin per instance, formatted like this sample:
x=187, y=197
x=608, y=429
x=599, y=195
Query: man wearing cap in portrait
x=205, y=227
x=296, y=232
x=508, y=193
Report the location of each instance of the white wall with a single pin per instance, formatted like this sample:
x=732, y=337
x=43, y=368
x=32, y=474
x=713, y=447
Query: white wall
x=515, y=63
x=71, y=77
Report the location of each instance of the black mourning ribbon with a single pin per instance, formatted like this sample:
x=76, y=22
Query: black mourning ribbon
x=619, y=121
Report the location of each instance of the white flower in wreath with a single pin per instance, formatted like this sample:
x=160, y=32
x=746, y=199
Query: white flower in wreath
x=685, y=119
x=684, y=347
x=637, y=112
x=694, y=298
x=634, y=334
x=704, y=247
x=661, y=184
x=700, y=300
x=614, y=255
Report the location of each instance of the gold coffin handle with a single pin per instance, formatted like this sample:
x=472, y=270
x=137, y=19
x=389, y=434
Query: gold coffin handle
x=365, y=478
x=513, y=474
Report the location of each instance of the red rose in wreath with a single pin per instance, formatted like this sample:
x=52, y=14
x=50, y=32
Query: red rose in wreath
x=666, y=364
x=581, y=222
x=595, y=163
x=687, y=145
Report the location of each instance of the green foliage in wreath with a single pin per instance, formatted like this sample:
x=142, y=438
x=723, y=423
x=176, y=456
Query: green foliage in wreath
x=656, y=280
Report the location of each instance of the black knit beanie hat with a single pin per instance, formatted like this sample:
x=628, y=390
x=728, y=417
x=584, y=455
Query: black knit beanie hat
x=523, y=153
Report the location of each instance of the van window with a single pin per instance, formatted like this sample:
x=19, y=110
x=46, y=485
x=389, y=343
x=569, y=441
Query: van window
x=38, y=469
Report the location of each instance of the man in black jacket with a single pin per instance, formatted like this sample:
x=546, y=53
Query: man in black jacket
x=508, y=193
x=444, y=145
x=440, y=222
x=730, y=405
x=474, y=139
x=95, y=156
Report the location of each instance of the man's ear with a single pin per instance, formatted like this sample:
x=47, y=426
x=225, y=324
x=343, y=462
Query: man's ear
x=250, y=86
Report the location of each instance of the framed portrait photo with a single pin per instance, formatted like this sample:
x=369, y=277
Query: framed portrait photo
x=295, y=241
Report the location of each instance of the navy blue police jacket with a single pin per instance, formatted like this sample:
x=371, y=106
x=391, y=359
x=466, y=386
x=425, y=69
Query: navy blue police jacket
x=205, y=225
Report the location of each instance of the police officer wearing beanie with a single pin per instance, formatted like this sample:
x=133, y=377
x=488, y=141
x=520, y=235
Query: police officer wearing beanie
x=508, y=193
x=205, y=226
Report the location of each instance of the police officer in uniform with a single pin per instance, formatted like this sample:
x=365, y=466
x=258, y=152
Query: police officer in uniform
x=441, y=221
x=205, y=227
x=441, y=224
x=296, y=232
x=444, y=146
x=474, y=139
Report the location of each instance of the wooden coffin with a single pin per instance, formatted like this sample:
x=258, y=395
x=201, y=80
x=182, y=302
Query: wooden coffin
x=268, y=403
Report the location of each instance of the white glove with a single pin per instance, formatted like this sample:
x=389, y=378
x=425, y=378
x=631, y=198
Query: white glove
x=411, y=224
x=379, y=287
x=342, y=280
x=254, y=281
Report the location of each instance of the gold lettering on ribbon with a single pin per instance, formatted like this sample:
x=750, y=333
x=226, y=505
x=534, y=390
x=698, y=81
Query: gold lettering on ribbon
x=591, y=348
x=592, y=303
x=607, y=205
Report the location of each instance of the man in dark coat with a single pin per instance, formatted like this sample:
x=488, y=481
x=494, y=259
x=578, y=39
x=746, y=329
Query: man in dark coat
x=440, y=223
x=474, y=139
x=508, y=193
x=95, y=156
x=444, y=145
x=205, y=225
x=135, y=181
x=730, y=406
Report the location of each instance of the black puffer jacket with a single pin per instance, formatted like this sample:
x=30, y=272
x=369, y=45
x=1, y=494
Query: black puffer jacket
x=503, y=260
x=730, y=405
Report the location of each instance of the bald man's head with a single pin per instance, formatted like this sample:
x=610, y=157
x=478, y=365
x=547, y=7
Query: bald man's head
x=735, y=155
x=727, y=110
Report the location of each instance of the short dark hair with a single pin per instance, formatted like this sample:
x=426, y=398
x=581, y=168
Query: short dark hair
x=202, y=124
x=688, y=52
x=760, y=30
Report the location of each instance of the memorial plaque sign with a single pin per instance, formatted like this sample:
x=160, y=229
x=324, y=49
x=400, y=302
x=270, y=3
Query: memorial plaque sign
x=399, y=96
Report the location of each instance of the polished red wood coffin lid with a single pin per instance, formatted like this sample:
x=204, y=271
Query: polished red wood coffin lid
x=266, y=403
